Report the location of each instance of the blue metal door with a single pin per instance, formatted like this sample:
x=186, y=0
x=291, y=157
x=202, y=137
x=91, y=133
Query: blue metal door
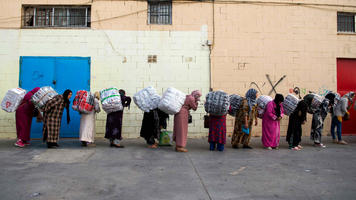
x=61, y=73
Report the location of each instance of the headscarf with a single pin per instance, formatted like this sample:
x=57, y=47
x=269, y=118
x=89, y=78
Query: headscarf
x=349, y=96
x=278, y=99
x=196, y=94
x=67, y=102
x=29, y=94
x=331, y=97
x=251, y=96
x=125, y=100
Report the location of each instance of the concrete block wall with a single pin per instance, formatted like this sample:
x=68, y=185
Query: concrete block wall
x=118, y=58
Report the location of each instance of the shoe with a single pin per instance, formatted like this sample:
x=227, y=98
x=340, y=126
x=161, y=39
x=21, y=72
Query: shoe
x=268, y=148
x=84, y=144
x=116, y=145
x=51, y=145
x=26, y=143
x=179, y=149
x=153, y=146
x=296, y=149
x=19, y=143
x=235, y=146
x=342, y=142
x=319, y=145
x=335, y=141
x=300, y=146
x=56, y=144
x=275, y=148
x=247, y=147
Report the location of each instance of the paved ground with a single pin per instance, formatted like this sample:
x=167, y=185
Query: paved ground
x=73, y=172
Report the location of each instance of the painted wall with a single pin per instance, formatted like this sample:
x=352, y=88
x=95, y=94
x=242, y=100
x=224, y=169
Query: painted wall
x=250, y=40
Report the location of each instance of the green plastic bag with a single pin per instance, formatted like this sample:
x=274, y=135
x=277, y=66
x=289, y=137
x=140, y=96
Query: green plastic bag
x=165, y=138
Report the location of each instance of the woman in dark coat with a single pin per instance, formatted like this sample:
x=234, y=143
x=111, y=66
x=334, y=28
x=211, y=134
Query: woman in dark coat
x=24, y=114
x=114, y=122
x=296, y=119
x=152, y=123
x=52, y=117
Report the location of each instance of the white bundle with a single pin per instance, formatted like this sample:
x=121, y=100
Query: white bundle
x=40, y=98
x=235, y=103
x=217, y=103
x=147, y=99
x=172, y=101
x=111, y=100
x=12, y=99
x=290, y=104
x=262, y=102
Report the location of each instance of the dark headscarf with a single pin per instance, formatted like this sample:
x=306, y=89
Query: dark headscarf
x=278, y=99
x=331, y=97
x=125, y=100
x=67, y=102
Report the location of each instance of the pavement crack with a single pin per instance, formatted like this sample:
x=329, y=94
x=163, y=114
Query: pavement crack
x=200, y=178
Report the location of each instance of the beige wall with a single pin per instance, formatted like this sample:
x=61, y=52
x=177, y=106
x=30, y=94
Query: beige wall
x=249, y=39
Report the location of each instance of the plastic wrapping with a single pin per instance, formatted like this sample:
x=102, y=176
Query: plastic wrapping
x=166, y=138
x=290, y=104
x=235, y=103
x=262, y=102
x=12, y=99
x=42, y=96
x=83, y=102
x=147, y=99
x=172, y=101
x=313, y=101
x=111, y=100
x=217, y=103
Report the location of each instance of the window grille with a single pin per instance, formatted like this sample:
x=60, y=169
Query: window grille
x=159, y=12
x=345, y=22
x=47, y=16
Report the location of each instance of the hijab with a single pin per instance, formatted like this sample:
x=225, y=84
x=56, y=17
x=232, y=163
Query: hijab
x=251, y=96
x=331, y=97
x=278, y=99
x=196, y=94
x=349, y=96
x=125, y=100
x=31, y=93
x=67, y=102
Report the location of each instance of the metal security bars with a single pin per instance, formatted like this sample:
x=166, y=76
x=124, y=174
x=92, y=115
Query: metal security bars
x=345, y=22
x=65, y=16
x=159, y=12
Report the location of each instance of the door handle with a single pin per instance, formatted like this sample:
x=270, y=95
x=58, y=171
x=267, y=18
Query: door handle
x=54, y=82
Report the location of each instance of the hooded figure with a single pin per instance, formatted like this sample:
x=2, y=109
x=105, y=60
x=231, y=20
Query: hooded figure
x=296, y=119
x=244, y=118
x=24, y=114
x=180, y=130
x=271, y=123
x=52, y=117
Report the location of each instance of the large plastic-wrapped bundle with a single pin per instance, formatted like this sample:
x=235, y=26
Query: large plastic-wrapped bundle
x=12, y=99
x=313, y=101
x=111, y=100
x=172, y=101
x=217, y=103
x=262, y=102
x=40, y=98
x=290, y=104
x=147, y=99
x=235, y=103
x=83, y=102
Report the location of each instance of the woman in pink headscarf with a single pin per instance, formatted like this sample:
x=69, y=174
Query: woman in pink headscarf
x=181, y=120
x=24, y=114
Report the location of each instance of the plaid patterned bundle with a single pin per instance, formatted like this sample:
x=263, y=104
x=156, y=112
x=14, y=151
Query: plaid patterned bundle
x=262, y=102
x=314, y=101
x=235, y=103
x=147, y=99
x=12, y=99
x=111, y=100
x=83, y=102
x=217, y=103
x=172, y=101
x=40, y=98
x=290, y=104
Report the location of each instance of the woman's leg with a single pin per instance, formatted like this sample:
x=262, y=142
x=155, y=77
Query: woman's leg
x=333, y=124
x=212, y=146
x=220, y=147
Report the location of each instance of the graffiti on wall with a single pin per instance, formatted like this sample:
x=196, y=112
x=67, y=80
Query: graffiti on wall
x=273, y=85
x=322, y=91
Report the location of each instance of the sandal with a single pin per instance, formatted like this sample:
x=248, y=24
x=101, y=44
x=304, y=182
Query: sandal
x=179, y=149
x=296, y=148
x=153, y=146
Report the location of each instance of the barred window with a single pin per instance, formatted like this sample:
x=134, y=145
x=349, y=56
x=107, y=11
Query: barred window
x=345, y=22
x=159, y=12
x=56, y=16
